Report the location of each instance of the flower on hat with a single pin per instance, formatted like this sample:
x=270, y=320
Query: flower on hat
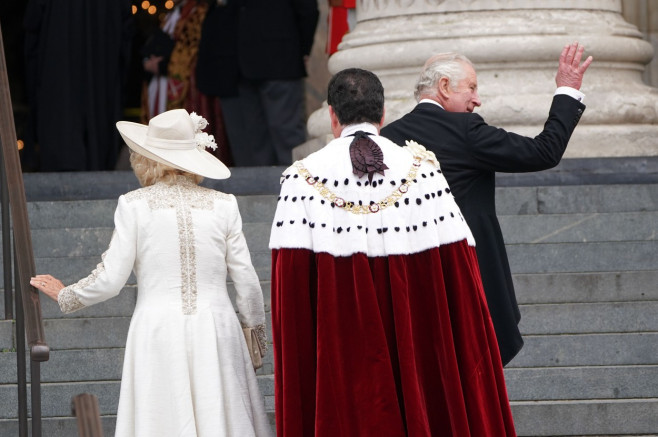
x=203, y=140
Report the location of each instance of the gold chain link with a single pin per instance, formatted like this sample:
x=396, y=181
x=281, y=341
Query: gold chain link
x=351, y=206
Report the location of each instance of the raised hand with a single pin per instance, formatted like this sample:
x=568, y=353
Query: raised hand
x=570, y=71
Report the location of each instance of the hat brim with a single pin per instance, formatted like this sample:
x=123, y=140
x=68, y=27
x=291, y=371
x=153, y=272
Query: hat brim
x=190, y=160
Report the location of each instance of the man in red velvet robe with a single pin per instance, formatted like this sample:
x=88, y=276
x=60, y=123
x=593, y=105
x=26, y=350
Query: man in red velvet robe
x=379, y=321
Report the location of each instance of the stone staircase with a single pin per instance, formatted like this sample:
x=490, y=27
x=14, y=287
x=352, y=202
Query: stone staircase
x=585, y=262
x=584, y=258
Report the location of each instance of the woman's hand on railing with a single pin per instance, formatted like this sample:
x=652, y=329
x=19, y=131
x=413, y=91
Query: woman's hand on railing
x=50, y=285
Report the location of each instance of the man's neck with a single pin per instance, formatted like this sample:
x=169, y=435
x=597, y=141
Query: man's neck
x=366, y=127
x=434, y=102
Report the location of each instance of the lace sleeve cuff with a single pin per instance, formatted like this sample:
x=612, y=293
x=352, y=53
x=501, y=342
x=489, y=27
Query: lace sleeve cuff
x=68, y=301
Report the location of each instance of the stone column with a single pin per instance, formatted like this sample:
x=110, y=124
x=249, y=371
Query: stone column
x=515, y=45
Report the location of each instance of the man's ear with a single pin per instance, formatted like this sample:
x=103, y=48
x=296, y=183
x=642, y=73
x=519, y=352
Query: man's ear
x=443, y=88
x=336, y=127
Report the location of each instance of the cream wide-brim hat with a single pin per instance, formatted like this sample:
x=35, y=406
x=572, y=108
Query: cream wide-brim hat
x=171, y=139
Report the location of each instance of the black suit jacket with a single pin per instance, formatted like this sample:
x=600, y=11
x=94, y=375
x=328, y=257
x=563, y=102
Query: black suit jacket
x=255, y=40
x=470, y=153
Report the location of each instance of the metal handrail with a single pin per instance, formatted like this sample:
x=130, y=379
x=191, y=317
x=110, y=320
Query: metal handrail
x=27, y=298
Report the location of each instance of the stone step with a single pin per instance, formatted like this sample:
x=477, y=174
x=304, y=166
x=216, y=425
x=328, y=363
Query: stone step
x=584, y=382
x=97, y=332
x=589, y=318
x=7, y=342
x=613, y=349
x=71, y=365
x=586, y=287
x=56, y=426
x=576, y=199
x=619, y=417
x=583, y=257
x=580, y=228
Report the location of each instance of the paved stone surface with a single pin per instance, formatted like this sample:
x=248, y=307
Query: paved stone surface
x=612, y=349
x=586, y=287
x=586, y=417
x=579, y=318
x=583, y=382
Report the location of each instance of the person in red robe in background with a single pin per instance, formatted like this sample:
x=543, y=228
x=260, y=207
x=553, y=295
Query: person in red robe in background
x=170, y=61
x=380, y=325
x=338, y=22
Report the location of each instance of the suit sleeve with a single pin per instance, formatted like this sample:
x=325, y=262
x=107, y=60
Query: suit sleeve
x=495, y=149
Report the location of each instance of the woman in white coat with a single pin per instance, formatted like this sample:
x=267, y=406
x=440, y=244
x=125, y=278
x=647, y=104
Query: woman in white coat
x=187, y=368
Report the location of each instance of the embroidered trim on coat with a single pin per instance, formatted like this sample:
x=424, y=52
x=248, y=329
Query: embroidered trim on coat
x=187, y=195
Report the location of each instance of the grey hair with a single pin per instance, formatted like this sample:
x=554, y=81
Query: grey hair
x=449, y=65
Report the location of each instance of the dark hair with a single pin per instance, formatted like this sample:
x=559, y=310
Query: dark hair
x=356, y=96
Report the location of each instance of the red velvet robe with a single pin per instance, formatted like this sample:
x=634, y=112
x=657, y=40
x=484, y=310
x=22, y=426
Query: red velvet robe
x=372, y=338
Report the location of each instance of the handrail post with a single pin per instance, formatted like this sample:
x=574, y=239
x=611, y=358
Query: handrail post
x=35, y=390
x=85, y=408
x=20, y=360
x=35, y=382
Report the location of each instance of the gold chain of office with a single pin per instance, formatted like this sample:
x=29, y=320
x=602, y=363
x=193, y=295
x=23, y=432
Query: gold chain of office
x=353, y=207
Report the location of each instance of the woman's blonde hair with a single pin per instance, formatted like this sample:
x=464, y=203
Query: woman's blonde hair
x=149, y=172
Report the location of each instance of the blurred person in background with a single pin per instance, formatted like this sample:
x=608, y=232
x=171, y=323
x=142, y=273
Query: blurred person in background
x=77, y=54
x=253, y=56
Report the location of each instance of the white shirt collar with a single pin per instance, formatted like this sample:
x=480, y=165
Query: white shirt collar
x=365, y=127
x=434, y=102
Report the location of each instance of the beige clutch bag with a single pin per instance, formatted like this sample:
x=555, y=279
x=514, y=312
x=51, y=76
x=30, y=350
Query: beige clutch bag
x=254, y=347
